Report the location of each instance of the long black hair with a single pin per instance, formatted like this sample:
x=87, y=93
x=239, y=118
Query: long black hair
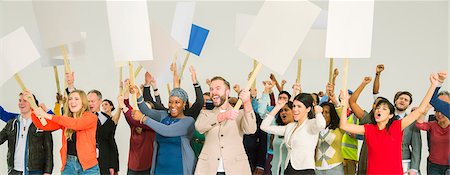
x=372, y=111
x=307, y=100
x=334, y=117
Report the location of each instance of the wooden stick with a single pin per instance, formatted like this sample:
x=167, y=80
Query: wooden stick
x=66, y=59
x=255, y=63
x=136, y=72
x=331, y=71
x=133, y=100
x=184, y=64
x=344, y=82
x=33, y=104
x=249, y=84
x=168, y=88
x=55, y=71
x=299, y=70
x=66, y=66
x=121, y=79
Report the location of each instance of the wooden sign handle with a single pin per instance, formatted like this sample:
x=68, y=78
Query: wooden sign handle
x=299, y=70
x=255, y=63
x=55, y=71
x=136, y=72
x=133, y=101
x=331, y=71
x=184, y=64
x=31, y=101
x=249, y=84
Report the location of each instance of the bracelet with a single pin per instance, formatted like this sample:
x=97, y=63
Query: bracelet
x=377, y=73
x=141, y=120
x=154, y=90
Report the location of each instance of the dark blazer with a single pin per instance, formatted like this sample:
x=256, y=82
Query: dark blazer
x=108, y=154
x=256, y=146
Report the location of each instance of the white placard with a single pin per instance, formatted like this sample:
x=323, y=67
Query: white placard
x=313, y=47
x=243, y=23
x=182, y=22
x=75, y=50
x=129, y=28
x=278, y=32
x=17, y=51
x=350, y=25
x=165, y=49
x=58, y=22
x=321, y=21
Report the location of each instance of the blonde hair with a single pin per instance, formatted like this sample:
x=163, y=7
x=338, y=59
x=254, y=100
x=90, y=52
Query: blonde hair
x=84, y=108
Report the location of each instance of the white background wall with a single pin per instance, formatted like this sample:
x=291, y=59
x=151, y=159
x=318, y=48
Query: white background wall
x=410, y=38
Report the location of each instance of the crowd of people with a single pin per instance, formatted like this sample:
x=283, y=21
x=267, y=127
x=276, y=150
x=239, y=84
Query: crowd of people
x=295, y=133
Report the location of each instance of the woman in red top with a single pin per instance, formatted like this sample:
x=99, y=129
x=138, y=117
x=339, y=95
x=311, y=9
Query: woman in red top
x=78, y=151
x=384, y=136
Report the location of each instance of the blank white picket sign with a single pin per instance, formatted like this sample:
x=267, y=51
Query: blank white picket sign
x=349, y=30
x=129, y=29
x=17, y=51
x=278, y=31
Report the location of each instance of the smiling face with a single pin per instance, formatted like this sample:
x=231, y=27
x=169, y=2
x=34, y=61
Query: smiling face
x=326, y=114
x=106, y=107
x=176, y=106
x=24, y=105
x=299, y=110
x=286, y=114
x=219, y=92
x=75, y=102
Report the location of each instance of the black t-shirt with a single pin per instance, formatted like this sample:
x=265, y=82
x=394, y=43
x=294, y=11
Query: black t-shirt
x=72, y=145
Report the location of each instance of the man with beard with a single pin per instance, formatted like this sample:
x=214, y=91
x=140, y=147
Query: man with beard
x=411, y=135
x=224, y=127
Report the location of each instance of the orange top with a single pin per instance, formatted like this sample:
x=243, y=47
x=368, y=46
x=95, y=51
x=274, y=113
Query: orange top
x=85, y=127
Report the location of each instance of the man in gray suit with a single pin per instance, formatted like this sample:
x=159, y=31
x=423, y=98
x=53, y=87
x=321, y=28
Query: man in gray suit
x=412, y=142
x=224, y=127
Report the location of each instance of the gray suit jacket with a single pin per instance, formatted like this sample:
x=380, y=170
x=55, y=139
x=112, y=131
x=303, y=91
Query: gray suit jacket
x=411, y=136
x=224, y=139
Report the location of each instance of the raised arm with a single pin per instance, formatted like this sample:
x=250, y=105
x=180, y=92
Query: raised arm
x=180, y=128
x=343, y=124
x=275, y=81
x=320, y=122
x=6, y=116
x=176, y=77
x=357, y=110
x=266, y=124
x=248, y=121
x=422, y=110
x=438, y=104
x=195, y=109
x=376, y=82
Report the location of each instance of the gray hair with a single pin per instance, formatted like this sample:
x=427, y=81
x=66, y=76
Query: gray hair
x=96, y=92
x=180, y=93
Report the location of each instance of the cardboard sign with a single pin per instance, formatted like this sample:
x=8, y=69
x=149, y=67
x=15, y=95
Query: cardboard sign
x=17, y=51
x=197, y=39
x=182, y=22
x=278, y=32
x=129, y=28
x=350, y=25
